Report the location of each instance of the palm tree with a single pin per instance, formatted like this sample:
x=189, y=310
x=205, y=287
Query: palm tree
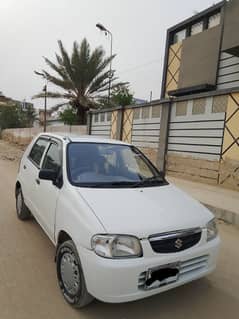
x=83, y=77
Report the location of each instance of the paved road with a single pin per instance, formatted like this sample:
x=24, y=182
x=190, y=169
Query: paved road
x=28, y=286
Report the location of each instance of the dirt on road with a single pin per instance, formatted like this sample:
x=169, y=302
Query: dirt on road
x=29, y=289
x=10, y=152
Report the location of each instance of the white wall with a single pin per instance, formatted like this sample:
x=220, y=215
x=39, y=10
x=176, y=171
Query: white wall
x=24, y=135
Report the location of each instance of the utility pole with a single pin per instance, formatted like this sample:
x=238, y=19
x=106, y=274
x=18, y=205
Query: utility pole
x=45, y=98
x=102, y=28
x=45, y=106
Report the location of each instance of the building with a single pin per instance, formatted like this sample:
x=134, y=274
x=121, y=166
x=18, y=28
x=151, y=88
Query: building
x=4, y=100
x=24, y=105
x=193, y=130
x=41, y=116
x=52, y=117
x=9, y=101
x=201, y=82
x=202, y=52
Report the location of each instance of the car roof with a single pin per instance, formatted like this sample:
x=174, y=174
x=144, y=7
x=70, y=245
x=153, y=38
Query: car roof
x=72, y=137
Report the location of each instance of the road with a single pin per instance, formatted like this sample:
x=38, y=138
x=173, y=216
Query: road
x=28, y=286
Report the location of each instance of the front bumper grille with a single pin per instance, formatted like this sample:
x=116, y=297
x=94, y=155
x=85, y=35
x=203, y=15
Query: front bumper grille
x=187, y=268
x=175, y=241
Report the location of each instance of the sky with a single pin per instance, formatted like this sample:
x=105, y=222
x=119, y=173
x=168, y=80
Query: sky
x=29, y=30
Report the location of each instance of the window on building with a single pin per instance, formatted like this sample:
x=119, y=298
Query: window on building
x=181, y=108
x=199, y=106
x=109, y=115
x=137, y=113
x=156, y=111
x=102, y=117
x=145, y=112
x=197, y=28
x=214, y=20
x=179, y=36
x=96, y=117
x=219, y=104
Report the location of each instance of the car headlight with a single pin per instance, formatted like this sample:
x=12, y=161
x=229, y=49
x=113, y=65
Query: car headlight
x=116, y=246
x=211, y=229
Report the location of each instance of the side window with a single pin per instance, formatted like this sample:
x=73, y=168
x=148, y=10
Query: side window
x=52, y=159
x=38, y=150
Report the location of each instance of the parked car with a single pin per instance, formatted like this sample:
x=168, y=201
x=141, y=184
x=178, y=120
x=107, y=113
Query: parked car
x=121, y=231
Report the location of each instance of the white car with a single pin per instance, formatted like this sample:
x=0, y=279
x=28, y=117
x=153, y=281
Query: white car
x=121, y=231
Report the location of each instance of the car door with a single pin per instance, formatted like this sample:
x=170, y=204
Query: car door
x=30, y=166
x=47, y=192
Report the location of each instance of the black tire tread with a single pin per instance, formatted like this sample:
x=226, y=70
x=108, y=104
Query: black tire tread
x=84, y=298
x=25, y=213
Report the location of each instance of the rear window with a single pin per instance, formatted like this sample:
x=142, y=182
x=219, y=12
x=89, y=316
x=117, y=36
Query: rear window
x=38, y=150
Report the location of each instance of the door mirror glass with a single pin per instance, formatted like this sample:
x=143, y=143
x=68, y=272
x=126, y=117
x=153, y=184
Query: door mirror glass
x=48, y=174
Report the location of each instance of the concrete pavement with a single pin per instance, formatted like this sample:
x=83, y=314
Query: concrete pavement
x=223, y=202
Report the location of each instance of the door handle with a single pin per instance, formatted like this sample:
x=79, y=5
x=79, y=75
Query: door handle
x=37, y=181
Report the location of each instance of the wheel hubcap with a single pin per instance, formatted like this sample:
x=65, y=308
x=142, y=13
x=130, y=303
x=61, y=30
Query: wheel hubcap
x=19, y=203
x=70, y=273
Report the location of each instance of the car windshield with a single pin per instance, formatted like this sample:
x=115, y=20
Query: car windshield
x=110, y=165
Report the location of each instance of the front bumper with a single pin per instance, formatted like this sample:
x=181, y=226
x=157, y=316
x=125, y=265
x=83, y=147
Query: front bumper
x=123, y=280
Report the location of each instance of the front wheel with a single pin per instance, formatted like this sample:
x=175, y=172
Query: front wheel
x=23, y=212
x=70, y=276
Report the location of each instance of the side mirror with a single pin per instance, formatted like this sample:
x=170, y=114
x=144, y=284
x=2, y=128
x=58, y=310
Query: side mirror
x=48, y=174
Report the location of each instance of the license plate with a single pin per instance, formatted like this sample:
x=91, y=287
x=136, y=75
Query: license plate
x=162, y=275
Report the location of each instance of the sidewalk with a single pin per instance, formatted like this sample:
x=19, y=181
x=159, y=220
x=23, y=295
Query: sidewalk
x=223, y=202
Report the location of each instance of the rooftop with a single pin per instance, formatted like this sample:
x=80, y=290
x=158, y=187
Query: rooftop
x=197, y=16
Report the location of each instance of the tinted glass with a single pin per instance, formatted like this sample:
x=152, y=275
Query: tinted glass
x=197, y=28
x=98, y=164
x=179, y=36
x=52, y=159
x=214, y=20
x=38, y=150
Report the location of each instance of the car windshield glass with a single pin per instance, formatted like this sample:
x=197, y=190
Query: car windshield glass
x=109, y=165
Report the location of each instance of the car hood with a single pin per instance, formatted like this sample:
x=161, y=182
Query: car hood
x=145, y=211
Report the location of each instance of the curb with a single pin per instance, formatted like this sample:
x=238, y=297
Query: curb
x=225, y=215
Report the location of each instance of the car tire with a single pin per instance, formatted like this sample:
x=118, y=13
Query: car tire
x=23, y=212
x=70, y=276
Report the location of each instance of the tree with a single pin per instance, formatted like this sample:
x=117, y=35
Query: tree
x=13, y=116
x=82, y=77
x=69, y=116
x=27, y=116
x=9, y=116
x=122, y=96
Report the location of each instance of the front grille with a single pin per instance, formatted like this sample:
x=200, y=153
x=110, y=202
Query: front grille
x=187, y=270
x=175, y=241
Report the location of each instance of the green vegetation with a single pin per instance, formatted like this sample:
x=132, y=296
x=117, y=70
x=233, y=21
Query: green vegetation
x=28, y=116
x=122, y=96
x=82, y=77
x=13, y=116
x=9, y=116
x=69, y=116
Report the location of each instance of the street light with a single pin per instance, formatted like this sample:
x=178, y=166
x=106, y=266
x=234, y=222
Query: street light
x=45, y=98
x=102, y=28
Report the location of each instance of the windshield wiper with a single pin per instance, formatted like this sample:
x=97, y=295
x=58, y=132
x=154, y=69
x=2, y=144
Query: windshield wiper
x=108, y=184
x=157, y=179
x=154, y=180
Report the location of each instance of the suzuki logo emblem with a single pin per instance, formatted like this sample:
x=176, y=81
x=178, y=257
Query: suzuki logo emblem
x=178, y=243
